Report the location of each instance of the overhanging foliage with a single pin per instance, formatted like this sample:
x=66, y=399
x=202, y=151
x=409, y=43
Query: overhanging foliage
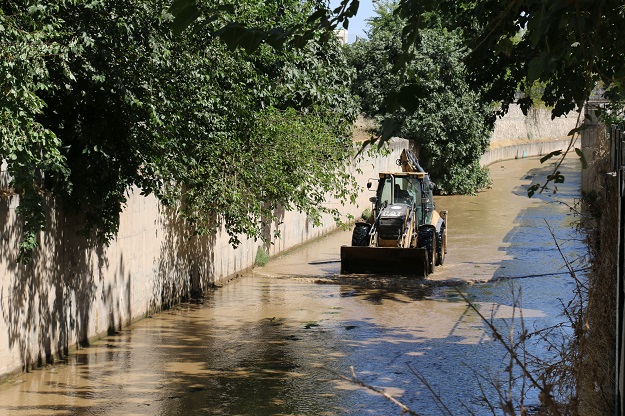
x=99, y=98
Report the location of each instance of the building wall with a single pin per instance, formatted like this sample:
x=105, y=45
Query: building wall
x=73, y=291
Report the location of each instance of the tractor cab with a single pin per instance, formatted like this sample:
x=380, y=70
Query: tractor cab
x=406, y=190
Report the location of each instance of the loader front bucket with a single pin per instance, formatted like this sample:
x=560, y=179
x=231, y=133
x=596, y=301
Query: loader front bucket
x=384, y=261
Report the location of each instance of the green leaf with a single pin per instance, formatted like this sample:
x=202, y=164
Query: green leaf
x=387, y=130
x=185, y=16
x=352, y=10
x=410, y=95
x=179, y=5
x=543, y=64
x=532, y=190
x=557, y=177
x=317, y=15
x=550, y=155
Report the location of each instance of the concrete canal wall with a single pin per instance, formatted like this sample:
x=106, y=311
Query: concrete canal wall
x=517, y=136
x=522, y=150
x=536, y=126
x=73, y=291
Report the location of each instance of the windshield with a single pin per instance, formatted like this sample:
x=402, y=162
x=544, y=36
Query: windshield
x=406, y=190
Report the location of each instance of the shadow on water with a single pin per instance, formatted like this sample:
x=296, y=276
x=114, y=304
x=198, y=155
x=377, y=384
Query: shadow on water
x=530, y=245
x=259, y=347
x=501, y=233
x=271, y=366
x=263, y=347
x=379, y=295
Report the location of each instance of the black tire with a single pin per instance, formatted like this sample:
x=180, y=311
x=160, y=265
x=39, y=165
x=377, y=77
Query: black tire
x=440, y=247
x=432, y=253
x=427, y=240
x=360, y=235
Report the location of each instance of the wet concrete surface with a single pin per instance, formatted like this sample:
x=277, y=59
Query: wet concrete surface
x=276, y=341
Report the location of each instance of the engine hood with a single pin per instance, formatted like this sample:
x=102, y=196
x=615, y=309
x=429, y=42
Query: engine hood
x=395, y=211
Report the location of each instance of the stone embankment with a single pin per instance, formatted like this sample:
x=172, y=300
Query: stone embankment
x=517, y=136
x=537, y=126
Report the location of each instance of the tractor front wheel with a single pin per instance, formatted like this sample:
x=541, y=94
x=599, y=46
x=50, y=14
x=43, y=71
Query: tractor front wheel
x=360, y=235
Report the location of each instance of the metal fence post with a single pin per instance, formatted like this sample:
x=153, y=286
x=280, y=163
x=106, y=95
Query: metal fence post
x=616, y=154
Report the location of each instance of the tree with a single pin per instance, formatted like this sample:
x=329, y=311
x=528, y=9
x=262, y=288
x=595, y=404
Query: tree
x=199, y=123
x=27, y=42
x=570, y=46
x=449, y=123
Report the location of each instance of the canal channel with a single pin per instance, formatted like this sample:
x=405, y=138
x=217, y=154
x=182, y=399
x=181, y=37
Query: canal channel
x=285, y=338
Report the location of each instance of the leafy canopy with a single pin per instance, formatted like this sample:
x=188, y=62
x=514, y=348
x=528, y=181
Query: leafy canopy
x=448, y=122
x=100, y=99
x=568, y=47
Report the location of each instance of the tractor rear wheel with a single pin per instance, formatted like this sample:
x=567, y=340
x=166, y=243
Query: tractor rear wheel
x=440, y=246
x=427, y=240
x=360, y=235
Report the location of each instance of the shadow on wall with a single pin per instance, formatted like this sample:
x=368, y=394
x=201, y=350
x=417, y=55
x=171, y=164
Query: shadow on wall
x=47, y=304
x=185, y=268
x=271, y=229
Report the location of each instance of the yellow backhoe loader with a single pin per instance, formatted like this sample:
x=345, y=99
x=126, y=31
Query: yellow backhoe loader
x=405, y=234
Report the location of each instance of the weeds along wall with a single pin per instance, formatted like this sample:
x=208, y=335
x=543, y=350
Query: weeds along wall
x=73, y=291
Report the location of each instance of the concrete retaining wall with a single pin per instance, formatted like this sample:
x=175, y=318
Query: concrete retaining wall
x=536, y=126
x=517, y=135
x=522, y=150
x=73, y=291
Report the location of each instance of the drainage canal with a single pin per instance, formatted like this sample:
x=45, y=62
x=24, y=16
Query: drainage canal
x=280, y=340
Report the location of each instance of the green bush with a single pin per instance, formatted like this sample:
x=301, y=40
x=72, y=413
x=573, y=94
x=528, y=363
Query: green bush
x=262, y=257
x=366, y=214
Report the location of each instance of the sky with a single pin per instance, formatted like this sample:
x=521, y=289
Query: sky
x=357, y=24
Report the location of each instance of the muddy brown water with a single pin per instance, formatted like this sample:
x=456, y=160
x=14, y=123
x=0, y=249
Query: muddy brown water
x=276, y=342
